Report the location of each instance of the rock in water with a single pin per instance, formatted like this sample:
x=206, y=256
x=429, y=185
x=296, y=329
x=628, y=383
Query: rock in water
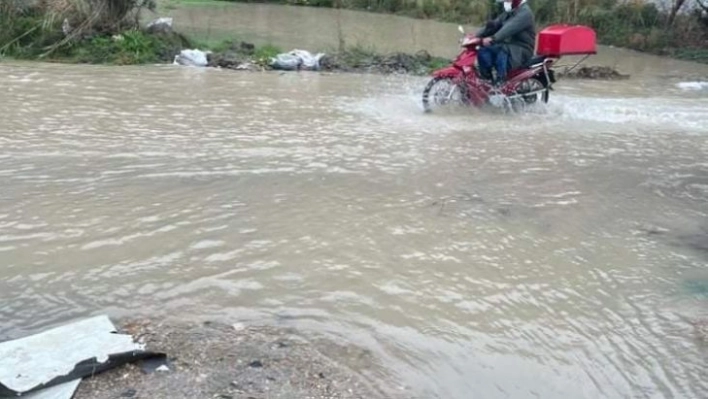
x=229, y=60
x=256, y=364
x=248, y=48
x=236, y=56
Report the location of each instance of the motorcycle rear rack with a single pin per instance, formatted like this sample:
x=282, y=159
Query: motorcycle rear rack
x=551, y=79
x=568, y=69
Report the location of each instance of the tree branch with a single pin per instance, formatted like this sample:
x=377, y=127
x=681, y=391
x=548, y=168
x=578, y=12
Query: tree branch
x=678, y=4
x=703, y=6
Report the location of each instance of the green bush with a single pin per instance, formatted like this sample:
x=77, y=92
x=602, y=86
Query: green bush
x=35, y=31
x=26, y=35
x=132, y=47
x=265, y=53
x=430, y=8
x=692, y=54
x=129, y=48
x=545, y=11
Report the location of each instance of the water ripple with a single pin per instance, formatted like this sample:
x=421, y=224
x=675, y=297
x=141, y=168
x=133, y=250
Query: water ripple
x=542, y=255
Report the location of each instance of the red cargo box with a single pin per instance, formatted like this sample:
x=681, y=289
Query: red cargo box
x=559, y=40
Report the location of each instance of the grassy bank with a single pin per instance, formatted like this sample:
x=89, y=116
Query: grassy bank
x=232, y=54
x=679, y=31
x=122, y=48
x=83, y=31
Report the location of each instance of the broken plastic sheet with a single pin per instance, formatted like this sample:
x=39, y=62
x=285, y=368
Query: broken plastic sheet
x=51, y=364
x=61, y=391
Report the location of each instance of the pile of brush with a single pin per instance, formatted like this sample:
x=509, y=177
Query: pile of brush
x=55, y=23
x=94, y=15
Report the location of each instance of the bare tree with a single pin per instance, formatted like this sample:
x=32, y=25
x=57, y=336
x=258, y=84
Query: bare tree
x=676, y=6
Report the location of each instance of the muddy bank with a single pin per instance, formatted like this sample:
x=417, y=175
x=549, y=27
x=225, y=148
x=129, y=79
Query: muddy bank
x=222, y=361
x=594, y=73
x=421, y=63
x=129, y=43
x=244, y=56
x=214, y=360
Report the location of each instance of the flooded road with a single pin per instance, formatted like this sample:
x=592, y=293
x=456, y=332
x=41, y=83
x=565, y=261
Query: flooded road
x=560, y=253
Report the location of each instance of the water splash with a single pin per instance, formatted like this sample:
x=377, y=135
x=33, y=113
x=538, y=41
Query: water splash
x=692, y=86
x=397, y=100
x=653, y=112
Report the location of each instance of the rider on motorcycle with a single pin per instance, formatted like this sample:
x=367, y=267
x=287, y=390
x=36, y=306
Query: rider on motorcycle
x=508, y=41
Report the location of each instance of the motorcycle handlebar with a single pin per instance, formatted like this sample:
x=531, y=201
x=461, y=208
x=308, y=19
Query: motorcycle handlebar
x=470, y=40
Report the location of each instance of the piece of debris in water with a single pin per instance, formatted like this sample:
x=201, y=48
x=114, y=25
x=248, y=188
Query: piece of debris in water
x=51, y=364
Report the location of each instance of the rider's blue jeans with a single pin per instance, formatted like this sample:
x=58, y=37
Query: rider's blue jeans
x=494, y=56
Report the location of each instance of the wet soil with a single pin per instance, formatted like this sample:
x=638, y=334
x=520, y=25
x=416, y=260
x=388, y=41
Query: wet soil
x=214, y=360
x=240, y=56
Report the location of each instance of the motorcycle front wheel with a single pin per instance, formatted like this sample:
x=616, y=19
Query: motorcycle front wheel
x=442, y=92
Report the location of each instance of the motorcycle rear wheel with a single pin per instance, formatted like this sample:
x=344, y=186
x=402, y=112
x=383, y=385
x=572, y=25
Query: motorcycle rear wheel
x=536, y=89
x=442, y=92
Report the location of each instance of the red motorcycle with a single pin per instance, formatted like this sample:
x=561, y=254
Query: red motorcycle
x=460, y=83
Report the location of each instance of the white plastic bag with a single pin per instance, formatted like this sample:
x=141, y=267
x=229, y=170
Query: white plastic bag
x=297, y=59
x=286, y=61
x=195, y=58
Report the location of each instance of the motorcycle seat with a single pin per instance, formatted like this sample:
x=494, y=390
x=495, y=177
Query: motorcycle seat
x=537, y=59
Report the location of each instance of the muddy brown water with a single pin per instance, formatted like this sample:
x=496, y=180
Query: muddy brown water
x=557, y=253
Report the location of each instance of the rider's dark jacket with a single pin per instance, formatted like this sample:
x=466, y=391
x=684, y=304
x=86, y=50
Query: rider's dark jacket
x=515, y=31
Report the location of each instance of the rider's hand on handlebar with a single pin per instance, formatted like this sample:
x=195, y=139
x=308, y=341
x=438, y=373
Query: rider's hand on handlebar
x=486, y=41
x=470, y=40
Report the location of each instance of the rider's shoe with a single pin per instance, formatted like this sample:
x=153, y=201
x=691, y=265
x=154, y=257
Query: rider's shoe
x=488, y=81
x=485, y=75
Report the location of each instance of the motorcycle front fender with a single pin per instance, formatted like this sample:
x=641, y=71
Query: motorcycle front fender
x=448, y=72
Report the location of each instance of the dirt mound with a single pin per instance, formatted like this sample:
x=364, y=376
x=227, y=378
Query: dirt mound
x=368, y=62
x=595, y=72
